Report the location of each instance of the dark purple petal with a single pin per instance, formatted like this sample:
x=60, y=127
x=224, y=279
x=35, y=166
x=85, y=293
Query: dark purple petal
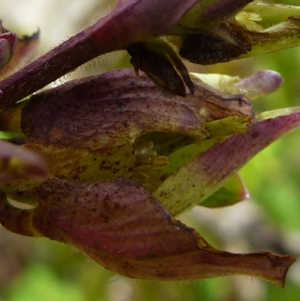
x=124, y=228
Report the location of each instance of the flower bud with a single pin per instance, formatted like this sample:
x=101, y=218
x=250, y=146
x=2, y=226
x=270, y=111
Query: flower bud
x=8, y=43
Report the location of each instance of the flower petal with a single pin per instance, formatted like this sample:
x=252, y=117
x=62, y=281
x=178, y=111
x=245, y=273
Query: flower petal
x=18, y=162
x=133, y=106
x=160, y=62
x=198, y=179
x=255, y=86
x=124, y=228
x=8, y=41
x=23, y=52
x=278, y=29
x=131, y=21
x=207, y=15
x=102, y=127
x=232, y=192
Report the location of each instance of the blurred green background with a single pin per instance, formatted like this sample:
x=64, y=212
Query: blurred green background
x=38, y=269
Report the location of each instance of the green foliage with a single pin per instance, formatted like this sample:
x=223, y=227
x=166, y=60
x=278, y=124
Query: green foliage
x=39, y=282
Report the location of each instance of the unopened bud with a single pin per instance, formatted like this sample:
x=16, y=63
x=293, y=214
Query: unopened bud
x=8, y=43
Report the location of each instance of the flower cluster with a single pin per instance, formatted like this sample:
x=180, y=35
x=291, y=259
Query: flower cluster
x=127, y=153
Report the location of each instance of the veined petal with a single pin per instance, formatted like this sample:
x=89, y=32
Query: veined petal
x=117, y=124
x=199, y=178
x=124, y=228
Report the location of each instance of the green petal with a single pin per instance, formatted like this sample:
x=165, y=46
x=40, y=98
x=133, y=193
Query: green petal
x=232, y=192
x=201, y=177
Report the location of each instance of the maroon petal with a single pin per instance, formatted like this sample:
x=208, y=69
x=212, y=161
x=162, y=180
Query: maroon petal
x=124, y=228
x=93, y=129
x=72, y=114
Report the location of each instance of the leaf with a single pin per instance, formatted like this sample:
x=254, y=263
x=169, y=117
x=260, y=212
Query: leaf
x=124, y=228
